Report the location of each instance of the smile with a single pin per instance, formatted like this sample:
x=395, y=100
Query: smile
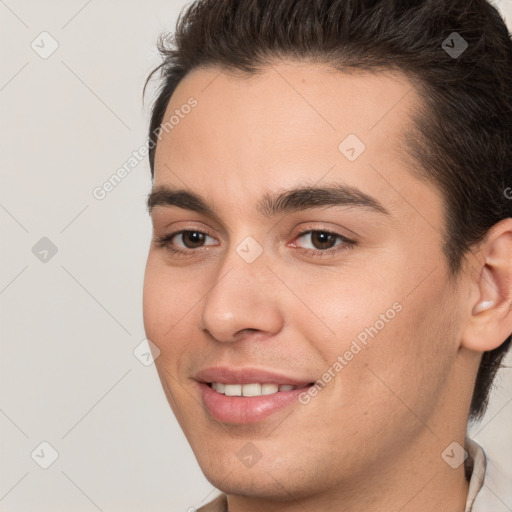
x=254, y=389
x=243, y=395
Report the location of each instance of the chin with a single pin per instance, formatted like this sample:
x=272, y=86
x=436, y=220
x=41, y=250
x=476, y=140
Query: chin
x=255, y=484
x=278, y=479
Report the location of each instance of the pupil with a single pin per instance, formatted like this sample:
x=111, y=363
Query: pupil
x=324, y=239
x=196, y=237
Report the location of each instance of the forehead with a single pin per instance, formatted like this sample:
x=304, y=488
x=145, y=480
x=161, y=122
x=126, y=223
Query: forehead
x=293, y=123
x=292, y=102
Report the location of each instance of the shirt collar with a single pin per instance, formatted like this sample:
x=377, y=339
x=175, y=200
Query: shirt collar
x=478, y=463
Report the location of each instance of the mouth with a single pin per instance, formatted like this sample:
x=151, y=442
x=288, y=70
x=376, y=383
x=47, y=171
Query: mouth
x=247, y=395
x=253, y=389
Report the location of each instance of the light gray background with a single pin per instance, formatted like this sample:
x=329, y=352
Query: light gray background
x=69, y=325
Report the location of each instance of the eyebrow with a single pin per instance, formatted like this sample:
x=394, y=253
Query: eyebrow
x=273, y=203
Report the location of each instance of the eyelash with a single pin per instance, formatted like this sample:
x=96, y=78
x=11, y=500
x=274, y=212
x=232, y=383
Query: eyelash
x=165, y=241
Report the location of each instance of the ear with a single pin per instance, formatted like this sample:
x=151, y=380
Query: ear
x=490, y=323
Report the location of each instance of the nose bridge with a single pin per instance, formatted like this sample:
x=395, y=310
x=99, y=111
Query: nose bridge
x=242, y=295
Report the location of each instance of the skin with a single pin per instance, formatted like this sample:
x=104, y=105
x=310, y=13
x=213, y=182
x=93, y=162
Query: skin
x=372, y=438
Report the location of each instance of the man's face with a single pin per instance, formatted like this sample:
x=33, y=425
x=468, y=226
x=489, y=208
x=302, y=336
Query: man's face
x=263, y=298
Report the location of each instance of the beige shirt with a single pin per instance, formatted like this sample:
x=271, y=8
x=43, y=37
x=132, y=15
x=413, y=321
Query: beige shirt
x=493, y=496
x=490, y=487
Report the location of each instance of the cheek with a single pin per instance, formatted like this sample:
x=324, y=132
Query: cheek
x=407, y=362
x=152, y=301
x=167, y=303
x=380, y=329
x=168, y=307
x=338, y=308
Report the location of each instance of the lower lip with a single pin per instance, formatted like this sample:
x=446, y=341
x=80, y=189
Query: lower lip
x=244, y=410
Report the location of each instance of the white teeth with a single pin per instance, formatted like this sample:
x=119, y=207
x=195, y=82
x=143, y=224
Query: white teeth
x=218, y=386
x=254, y=389
x=269, y=389
x=251, y=390
x=233, y=389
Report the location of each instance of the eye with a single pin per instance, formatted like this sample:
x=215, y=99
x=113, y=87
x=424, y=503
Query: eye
x=190, y=241
x=186, y=242
x=324, y=242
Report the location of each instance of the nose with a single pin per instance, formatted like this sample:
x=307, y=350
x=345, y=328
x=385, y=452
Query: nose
x=243, y=297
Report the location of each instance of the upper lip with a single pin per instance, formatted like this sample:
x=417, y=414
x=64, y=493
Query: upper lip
x=246, y=375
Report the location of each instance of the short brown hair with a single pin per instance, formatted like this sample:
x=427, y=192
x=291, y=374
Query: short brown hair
x=462, y=139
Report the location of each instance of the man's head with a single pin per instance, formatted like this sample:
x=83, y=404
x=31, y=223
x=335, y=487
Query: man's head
x=380, y=107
